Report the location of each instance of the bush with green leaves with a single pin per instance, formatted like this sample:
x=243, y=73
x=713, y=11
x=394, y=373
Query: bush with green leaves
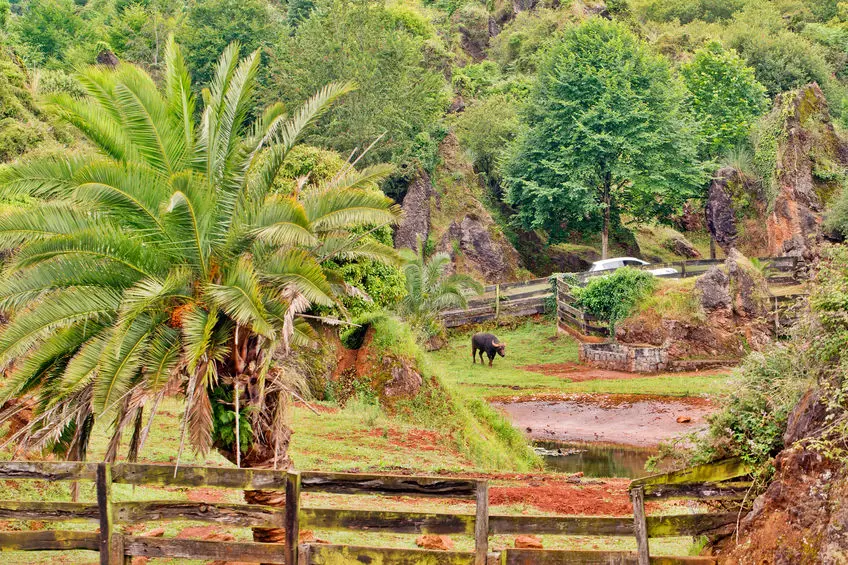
x=724, y=95
x=612, y=297
x=484, y=129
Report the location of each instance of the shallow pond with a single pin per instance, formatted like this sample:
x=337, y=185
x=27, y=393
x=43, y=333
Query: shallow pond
x=594, y=460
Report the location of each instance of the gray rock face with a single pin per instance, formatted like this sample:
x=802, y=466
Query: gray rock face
x=714, y=287
x=682, y=246
x=405, y=379
x=721, y=217
x=471, y=238
x=749, y=289
x=415, y=223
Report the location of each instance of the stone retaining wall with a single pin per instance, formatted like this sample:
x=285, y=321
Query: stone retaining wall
x=624, y=357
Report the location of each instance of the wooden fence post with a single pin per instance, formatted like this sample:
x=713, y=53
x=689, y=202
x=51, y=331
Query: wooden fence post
x=640, y=527
x=481, y=524
x=292, y=519
x=111, y=543
x=497, y=301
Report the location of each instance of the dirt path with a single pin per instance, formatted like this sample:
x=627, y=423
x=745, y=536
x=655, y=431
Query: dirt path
x=637, y=420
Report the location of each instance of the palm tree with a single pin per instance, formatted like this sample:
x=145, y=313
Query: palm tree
x=431, y=290
x=165, y=262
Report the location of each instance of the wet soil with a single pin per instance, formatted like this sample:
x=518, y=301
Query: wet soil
x=637, y=420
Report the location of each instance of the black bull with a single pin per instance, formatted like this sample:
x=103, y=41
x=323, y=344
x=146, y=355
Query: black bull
x=486, y=343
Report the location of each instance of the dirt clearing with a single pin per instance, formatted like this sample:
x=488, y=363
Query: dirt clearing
x=638, y=420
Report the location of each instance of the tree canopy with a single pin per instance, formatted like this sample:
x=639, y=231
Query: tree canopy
x=606, y=134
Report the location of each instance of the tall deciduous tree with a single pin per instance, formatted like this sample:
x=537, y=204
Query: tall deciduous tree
x=362, y=41
x=724, y=95
x=606, y=133
x=166, y=261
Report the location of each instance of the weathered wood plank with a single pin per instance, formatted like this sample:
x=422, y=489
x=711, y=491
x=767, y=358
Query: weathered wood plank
x=379, y=520
x=48, y=470
x=354, y=483
x=48, y=511
x=231, y=514
x=49, y=540
x=341, y=554
x=690, y=524
x=562, y=525
x=658, y=526
x=190, y=476
x=640, y=528
x=703, y=491
x=708, y=472
x=481, y=524
x=208, y=550
x=292, y=517
x=568, y=557
x=111, y=552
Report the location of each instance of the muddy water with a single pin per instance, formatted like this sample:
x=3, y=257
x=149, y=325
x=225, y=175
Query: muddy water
x=610, y=435
x=594, y=460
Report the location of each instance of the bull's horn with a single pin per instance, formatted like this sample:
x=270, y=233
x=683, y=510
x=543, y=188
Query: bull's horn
x=495, y=342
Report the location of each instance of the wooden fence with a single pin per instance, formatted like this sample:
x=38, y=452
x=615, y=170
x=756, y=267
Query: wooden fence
x=115, y=547
x=525, y=298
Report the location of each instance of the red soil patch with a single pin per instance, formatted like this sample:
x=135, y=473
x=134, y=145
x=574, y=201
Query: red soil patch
x=206, y=495
x=603, y=499
x=416, y=440
x=317, y=407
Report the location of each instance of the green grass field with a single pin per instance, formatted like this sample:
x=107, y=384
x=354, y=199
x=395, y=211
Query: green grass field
x=536, y=342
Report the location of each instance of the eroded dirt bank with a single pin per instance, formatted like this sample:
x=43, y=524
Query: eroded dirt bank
x=637, y=420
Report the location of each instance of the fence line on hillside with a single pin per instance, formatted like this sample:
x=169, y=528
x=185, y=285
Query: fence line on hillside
x=778, y=270
x=117, y=548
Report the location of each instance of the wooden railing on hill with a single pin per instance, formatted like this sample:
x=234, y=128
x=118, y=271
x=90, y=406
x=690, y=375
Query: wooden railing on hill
x=510, y=299
x=526, y=298
x=115, y=547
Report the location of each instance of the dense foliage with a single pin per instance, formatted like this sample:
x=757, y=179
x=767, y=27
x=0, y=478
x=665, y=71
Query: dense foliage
x=606, y=135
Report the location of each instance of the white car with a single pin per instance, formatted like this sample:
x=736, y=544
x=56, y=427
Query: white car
x=619, y=262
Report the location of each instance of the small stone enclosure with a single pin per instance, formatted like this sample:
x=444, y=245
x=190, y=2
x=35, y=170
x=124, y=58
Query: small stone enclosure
x=624, y=357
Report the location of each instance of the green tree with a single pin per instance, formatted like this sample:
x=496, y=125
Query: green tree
x=48, y=28
x=361, y=41
x=431, y=290
x=724, y=95
x=606, y=133
x=211, y=25
x=484, y=129
x=168, y=258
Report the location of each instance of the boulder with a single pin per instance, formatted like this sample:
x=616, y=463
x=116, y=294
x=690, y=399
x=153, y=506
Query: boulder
x=432, y=541
x=405, y=381
x=415, y=223
x=528, y=542
x=720, y=209
x=681, y=246
x=714, y=289
x=107, y=59
x=748, y=287
x=471, y=239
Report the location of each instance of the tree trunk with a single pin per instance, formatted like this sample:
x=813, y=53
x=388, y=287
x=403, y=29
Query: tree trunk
x=607, y=213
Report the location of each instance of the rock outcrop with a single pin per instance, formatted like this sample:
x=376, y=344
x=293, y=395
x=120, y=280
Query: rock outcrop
x=783, y=214
x=802, y=517
x=734, y=302
x=415, y=223
x=447, y=210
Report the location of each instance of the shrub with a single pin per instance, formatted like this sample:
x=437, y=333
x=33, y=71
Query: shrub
x=612, y=297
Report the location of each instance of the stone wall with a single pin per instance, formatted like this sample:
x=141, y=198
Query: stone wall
x=624, y=357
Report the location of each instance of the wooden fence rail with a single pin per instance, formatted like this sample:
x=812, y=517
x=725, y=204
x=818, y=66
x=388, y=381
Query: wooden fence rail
x=115, y=547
